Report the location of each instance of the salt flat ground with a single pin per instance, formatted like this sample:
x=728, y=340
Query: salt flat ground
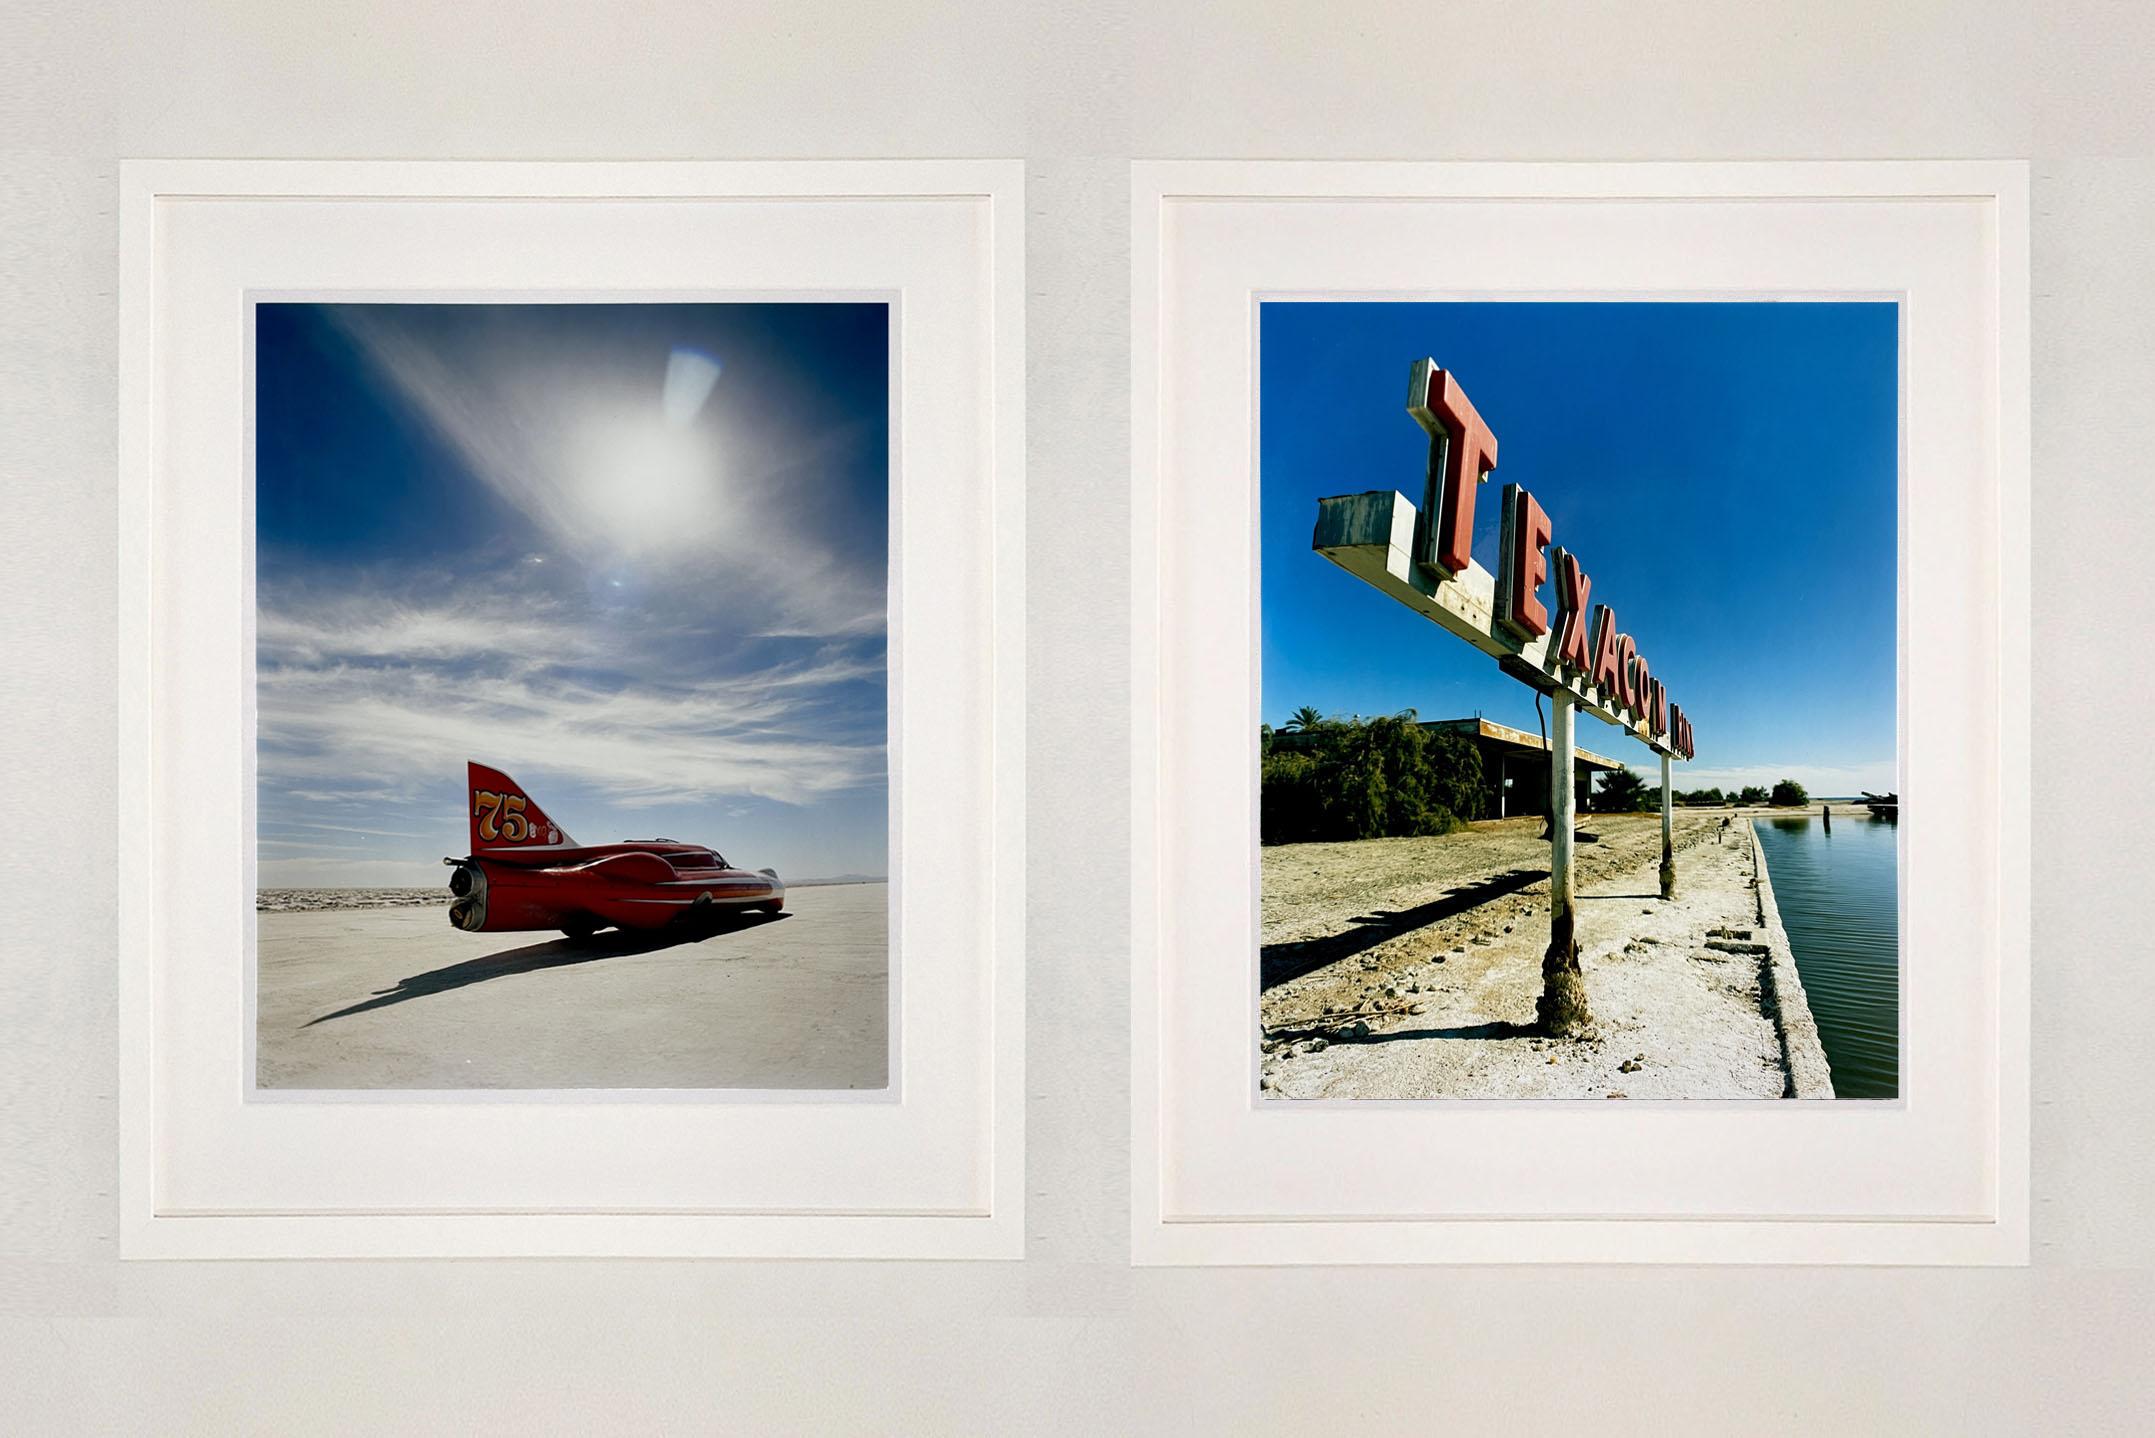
x=1408, y=968
x=394, y=998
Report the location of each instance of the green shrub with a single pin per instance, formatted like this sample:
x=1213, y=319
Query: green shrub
x=1288, y=797
x=1379, y=778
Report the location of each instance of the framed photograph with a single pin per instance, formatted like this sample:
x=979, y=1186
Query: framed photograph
x=1581, y=713
x=572, y=709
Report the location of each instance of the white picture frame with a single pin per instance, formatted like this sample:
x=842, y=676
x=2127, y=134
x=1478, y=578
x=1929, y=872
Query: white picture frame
x=1939, y=1177
x=933, y=1167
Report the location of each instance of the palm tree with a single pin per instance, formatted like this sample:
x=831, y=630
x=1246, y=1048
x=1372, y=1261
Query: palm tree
x=1623, y=792
x=1303, y=719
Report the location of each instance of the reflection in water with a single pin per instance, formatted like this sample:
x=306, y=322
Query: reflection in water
x=1838, y=893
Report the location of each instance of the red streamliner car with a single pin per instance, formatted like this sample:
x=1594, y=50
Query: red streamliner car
x=525, y=872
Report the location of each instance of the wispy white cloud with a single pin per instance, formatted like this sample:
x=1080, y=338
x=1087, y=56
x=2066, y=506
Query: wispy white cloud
x=350, y=708
x=377, y=623
x=331, y=871
x=344, y=829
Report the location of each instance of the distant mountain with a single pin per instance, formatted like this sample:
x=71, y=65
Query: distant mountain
x=839, y=879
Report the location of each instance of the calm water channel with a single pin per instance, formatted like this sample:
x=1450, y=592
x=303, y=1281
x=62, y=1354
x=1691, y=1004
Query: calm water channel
x=1839, y=898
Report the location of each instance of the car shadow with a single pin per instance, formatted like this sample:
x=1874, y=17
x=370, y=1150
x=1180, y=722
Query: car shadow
x=1277, y=963
x=553, y=954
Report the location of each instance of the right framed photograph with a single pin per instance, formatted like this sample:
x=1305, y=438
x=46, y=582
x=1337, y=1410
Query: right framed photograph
x=1552, y=583
x=1486, y=786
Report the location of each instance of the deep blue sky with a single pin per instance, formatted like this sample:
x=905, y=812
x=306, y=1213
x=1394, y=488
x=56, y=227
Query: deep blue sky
x=1726, y=474
x=636, y=555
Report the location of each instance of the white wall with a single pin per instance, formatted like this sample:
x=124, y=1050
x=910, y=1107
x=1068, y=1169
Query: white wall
x=1073, y=1340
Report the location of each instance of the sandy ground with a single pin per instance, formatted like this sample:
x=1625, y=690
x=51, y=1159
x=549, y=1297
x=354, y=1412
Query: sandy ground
x=393, y=998
x=1408, y=968
x=294, y=901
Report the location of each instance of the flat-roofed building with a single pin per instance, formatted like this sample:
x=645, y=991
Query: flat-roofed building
x=1515, y=766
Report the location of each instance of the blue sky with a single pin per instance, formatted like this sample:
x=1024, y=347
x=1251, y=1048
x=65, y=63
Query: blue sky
x=1726, y=474
x=635, y=555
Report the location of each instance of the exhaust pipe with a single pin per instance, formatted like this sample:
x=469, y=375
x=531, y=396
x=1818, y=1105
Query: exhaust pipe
x=467, y=882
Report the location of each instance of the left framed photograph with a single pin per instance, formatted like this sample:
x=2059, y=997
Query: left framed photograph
x=572, y=724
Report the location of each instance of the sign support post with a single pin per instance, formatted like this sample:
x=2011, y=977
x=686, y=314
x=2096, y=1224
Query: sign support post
x=1577, y=655
x=1668, y=834
x=1562, y=1007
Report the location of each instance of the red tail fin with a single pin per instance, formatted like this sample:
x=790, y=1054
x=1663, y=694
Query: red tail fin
x=503, y=816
